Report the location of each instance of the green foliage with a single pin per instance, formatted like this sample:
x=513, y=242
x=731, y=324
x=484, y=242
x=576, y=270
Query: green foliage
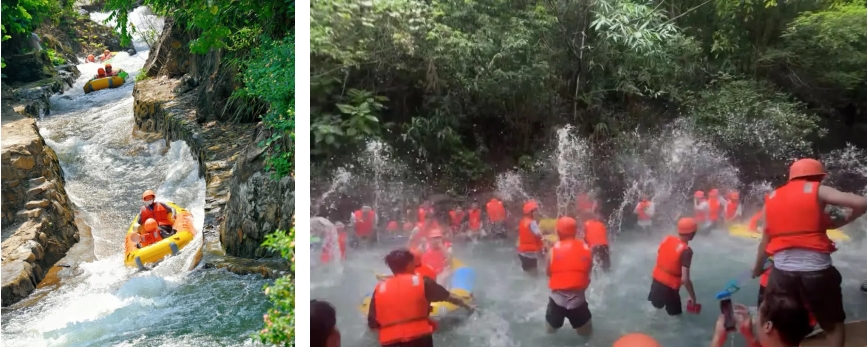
x=280, y=320
x=56, y=59
x=270, y=79
x=462, y=77
x=22, y=16
x=741, y=115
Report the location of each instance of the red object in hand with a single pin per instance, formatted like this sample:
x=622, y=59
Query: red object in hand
x=433, y=324
x=693, y=308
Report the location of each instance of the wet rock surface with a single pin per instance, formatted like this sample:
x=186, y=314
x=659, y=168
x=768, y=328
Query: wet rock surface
x=38, y=220
x=237, y=191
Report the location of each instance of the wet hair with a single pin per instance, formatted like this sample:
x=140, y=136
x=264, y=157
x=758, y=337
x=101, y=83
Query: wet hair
x=323, y=319
x=398, y=260
x=788, y=316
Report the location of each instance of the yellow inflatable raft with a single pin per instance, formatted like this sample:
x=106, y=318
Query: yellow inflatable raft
x=103, y=83
x=139, y=257
x=742, y=231
x=463, y=278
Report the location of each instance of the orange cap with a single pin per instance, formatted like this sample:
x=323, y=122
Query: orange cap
x=686, y=225
x=100, y=71
x=699, y=194
x=148, y=193
x=807, y=167
x=566, y=227
x=529, y=207
x=636, y=340
x=435, y=232
x=150, y=225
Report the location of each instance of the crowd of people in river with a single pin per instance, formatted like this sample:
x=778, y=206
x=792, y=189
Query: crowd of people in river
x=799, y=286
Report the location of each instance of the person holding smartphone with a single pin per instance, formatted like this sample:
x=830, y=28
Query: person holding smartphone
x=781, y=322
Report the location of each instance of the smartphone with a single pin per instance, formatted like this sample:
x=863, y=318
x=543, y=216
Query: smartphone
x=728, y=315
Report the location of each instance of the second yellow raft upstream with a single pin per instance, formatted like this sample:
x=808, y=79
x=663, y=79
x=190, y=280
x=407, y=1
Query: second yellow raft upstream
x=463, y=278
x=139, y=257
x=743, y=231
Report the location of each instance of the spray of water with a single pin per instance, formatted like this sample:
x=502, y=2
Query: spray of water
x=510, y=187
x=574, y=170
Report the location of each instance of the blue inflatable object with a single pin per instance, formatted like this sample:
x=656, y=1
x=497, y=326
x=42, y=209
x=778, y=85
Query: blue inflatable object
x=463, y=278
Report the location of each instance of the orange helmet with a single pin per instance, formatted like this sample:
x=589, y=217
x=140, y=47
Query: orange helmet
x=108, y=66
x=636, y=340
x=435, y=232
x=408, y=226
x=106, y=51
x=393, y=226
x=807, y=167
x=733, y=195
x=100, y=71
x=686, y=225
x=699, y=194
x=150, y=225
x=148, y=193
x=566, y=227
x=529, y=207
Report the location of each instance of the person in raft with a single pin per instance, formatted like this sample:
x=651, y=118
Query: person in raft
x=109, y=71
x=148, y=234
x=160, y=212
x=569, y=272
x=781, y=322
x=400, y=306
x=530, y=242
x=672, y=270
x=795, y=236
x=91, y=58
x=100, y=73
x=106, y=55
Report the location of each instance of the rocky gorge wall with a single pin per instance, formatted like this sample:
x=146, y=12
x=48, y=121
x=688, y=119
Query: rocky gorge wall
x=38, y=220
x=243, y=203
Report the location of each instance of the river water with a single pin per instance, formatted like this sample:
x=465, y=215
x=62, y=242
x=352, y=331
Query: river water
x=512, y=306
x=98, y=301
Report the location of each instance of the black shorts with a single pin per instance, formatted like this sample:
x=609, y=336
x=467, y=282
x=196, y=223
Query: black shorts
x=662, y=296
x=578, y=316
x=601, y=256
x=819, y=290
x=528, y=263
x=425, y=341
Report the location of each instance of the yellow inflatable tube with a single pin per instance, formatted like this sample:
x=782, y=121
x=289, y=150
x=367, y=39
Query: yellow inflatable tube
x=103, y=83
x=139, y=257
x=743, y=231
x=462, y=287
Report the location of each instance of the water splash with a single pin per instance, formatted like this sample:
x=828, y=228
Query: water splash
x=341, y=179
x=510, y=187
x=572, y=163
x=324, y=229
x=383, y=173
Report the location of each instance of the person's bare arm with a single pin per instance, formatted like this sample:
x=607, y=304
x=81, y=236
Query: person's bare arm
x=856, y=203
x=761, y=250
x=688, y=284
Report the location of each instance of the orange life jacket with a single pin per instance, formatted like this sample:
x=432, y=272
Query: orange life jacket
x=668, y=268
x=455, y=218
x=392, y=227
x=795, y=219
x=402, y=309
x=325, y=257
x=527, y=240
x=731, y=209
x=585, y=204
x=425, y=270
x=754, y=221
x=641, y=214
x=421, y=214
x=364, y=223
x=149, y=238
x=713, y=208
x=595, y=233
x=160, y=213
x=474, y=219
x=570, y=265
x=435, y=258
x=699, y=214
x=408, y=226
x=495, y=210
